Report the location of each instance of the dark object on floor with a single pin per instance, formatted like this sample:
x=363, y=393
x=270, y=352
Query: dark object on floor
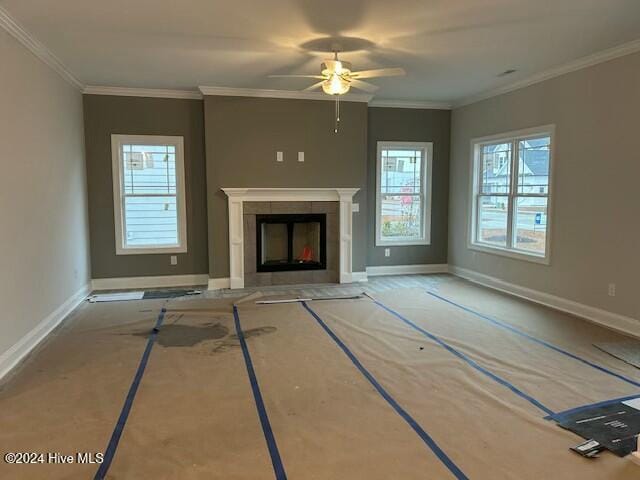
x=628, y=351
x=615, y=426
x=154, y=294
x=589, y=449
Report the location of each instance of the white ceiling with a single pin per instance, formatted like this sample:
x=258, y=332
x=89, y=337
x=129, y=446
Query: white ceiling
x=451, y=49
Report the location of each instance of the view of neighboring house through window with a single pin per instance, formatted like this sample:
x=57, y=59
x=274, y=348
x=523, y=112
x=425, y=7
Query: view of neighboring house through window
x=149, y=201
x=403, y=198
x=511, y=193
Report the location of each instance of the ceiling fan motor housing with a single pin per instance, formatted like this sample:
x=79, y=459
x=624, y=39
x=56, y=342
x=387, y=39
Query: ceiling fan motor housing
x=330, y=67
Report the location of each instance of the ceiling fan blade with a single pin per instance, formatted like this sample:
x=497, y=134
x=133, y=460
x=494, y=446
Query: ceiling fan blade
x=295, y=76
x=314, y=86
x=359, y=84
x=380, y=72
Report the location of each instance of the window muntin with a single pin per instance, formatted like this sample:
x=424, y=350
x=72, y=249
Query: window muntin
x=403, y=193
x=511, y=194
x=149, y=199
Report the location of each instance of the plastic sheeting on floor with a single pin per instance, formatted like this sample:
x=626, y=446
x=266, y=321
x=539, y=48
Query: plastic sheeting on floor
x=350, y=391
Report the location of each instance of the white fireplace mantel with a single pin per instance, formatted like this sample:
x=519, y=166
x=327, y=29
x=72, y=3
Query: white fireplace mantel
x=237, y=196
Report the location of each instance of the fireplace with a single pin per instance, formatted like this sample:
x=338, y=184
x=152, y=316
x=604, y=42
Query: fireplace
x=245, y=204
x=290, y=242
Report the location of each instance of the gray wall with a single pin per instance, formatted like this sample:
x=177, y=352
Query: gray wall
x=106, y=115
x=43, y=199
x=411, y=125
x=596, y=217
x=242, y=137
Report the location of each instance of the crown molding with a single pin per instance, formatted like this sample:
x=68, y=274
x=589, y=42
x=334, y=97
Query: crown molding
x=15, y=29
x=300, y=95
x=579, y=64
x=142, y=92
x=410, y=104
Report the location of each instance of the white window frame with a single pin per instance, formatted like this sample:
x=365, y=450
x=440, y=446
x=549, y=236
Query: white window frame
x=118, y=198
x=510, y=137
x=425, y=193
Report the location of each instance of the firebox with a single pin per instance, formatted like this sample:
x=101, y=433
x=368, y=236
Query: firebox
x=291, y=242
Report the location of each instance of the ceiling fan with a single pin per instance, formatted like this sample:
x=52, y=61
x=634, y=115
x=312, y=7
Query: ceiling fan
x=336, y=78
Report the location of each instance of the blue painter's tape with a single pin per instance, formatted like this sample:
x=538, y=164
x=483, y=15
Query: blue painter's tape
x=537, y=340
x=560, y=416
x=126, y=408
x=471, y=362
x=390, y=400
x=278, y=467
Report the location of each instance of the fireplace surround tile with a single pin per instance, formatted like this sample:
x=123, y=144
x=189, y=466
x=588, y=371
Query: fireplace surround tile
x=335, y=203
x=250, y=243
x=291, y=207
x=258, y=279
x=292, y=278
x=257, y=207
x=324, y=207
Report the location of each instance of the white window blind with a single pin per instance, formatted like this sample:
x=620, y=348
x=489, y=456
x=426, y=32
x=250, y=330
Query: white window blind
x=149, y=201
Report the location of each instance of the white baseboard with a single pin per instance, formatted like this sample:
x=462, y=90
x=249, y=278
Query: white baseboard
x=13, y=356
x=124, y=283
x=359, y=277
x=407, y=269
x=614, y=321
x=219, y=283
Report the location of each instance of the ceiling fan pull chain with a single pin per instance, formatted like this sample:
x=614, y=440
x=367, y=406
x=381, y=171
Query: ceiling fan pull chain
x=337, y=114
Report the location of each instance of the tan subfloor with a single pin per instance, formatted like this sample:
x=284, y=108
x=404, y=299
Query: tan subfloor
x=194, y=416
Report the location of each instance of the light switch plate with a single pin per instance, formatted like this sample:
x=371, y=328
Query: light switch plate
x=355, y=207
x=174, y=259
x=387, y=252
x=301, y=156
x=279, y=157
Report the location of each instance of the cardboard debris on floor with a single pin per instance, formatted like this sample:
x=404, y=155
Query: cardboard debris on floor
x=141, y=295
x=155, y=294
x=115, y=297
x=299, y=300
x=627, y=351
x=614, y=426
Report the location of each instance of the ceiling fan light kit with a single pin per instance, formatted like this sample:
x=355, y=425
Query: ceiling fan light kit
x=337, y=78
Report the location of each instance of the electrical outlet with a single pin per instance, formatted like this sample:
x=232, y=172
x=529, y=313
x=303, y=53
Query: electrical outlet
x=387, y=252
x=174, y=259
x=612, y=289
x=279, y=157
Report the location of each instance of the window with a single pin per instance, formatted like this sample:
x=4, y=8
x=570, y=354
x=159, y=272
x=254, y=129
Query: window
x=511, y=194
x=403, y=196
x=148, y=194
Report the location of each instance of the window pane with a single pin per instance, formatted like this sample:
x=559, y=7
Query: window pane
x=401, y=217
x=530, y=230
x=401, y=171
x=150, y=221
x=492, y=220
x=148, y=169
x=495, y=168
x=533, y=165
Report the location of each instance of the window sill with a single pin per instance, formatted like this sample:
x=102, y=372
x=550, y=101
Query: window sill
x=517, y=255
x=408, y=243
x=150, y=251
